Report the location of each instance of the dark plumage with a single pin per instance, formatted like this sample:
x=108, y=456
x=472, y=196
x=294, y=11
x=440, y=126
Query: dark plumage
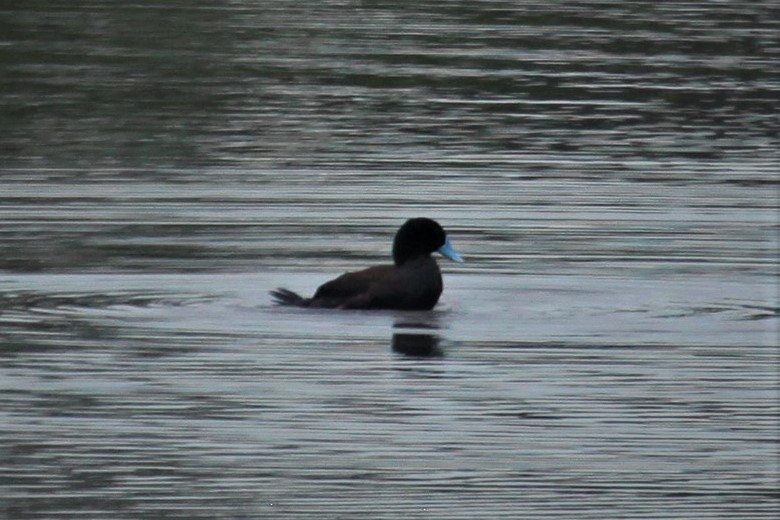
x=413, y=282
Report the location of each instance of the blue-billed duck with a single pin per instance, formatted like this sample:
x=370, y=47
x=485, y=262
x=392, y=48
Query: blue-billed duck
x=413, y=282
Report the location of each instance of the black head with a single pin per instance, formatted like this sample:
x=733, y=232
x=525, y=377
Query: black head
x=417, y=237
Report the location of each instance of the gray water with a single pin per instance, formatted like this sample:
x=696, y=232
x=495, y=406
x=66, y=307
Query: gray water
x=607, y=169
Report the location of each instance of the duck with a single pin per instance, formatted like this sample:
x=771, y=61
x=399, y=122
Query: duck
x=413, y=282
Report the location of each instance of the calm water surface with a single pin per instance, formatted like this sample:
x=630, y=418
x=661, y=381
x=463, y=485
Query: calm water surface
x=608, y=169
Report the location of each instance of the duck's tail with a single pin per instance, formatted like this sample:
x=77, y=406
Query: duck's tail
x=282, y=296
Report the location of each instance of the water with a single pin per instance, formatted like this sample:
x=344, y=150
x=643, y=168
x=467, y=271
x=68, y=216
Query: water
x=608, y=350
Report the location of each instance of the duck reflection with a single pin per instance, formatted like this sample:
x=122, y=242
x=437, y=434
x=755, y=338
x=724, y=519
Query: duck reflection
x=416, y=339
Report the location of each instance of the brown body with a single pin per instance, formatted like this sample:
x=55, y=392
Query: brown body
x=416, y=285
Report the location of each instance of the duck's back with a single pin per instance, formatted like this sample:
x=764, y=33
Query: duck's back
x=415, y=285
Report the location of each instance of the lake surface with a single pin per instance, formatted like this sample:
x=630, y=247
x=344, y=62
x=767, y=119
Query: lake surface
x=607, y=169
